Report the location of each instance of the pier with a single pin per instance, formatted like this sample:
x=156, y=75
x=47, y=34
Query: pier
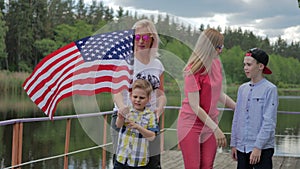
x=172, y=159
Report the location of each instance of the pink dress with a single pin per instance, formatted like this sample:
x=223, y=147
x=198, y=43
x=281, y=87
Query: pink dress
x=196, y=140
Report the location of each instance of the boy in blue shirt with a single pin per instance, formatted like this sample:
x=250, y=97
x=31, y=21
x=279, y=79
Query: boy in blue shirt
x=255, y=115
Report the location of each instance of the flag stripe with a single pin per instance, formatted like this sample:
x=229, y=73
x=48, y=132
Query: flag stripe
x=45, y=65
x=50, y=79
x=106, y=70
x=98, y=78
x=100, y=63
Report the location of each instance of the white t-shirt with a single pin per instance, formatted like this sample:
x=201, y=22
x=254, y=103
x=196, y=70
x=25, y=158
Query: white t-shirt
x=151, y=72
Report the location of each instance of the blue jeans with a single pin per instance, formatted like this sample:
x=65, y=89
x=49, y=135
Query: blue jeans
x=264, y=163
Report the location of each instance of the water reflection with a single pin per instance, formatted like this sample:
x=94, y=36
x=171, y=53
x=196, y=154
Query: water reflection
x=44, y=139
x=288, y=145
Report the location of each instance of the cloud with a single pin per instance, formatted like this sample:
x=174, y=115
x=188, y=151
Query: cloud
x=268, y=18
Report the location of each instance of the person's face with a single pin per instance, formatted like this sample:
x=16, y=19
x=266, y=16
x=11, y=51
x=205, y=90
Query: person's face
x=139, y=99
x=143, y=40
x=252, y=68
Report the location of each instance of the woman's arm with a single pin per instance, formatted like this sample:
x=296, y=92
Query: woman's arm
x=119, y=101
x=161, y=97
x=227, y=101
x=194, y=100
x=122, y=109
x=120, y=120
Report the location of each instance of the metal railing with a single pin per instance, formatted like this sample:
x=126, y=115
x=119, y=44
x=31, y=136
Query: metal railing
x=16, y=161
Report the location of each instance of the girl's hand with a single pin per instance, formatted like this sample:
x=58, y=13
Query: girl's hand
x=220, y=138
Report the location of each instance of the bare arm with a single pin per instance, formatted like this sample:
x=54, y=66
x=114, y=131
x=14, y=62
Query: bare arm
x=161, y=98
x=194, y=99
x=123, y=109
x=120, y=120
x=227, y=101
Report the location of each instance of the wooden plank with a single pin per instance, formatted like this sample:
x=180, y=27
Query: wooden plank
x=104, y=141
x=290, y=163
x=277, y=162
x=67, y=143
x=20, y=143
x=172, y=159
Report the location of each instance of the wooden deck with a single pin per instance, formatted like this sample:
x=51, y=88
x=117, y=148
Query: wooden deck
x=172, y=159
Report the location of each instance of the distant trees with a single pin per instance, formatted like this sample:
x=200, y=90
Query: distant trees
x=3, y=54
x=30, y=30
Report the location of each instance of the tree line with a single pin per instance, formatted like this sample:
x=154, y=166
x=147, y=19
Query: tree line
x=31, y=29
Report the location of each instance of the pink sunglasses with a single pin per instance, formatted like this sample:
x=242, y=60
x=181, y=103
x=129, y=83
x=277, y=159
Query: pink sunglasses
x=144, y=37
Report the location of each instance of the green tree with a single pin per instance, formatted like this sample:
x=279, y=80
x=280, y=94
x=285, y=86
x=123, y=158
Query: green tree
x=108, y=14
x=3, y=54
x=280, y=46
x=232, y=60
x=81, y=11
x=45, y=46
x=20, y=35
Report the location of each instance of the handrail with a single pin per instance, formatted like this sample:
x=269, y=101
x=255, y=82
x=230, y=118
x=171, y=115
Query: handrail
x=58, y=156
x=39, y=119
x=18, y=123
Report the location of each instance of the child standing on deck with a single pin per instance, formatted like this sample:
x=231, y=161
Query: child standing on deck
x=254, y=121
x=136, y=129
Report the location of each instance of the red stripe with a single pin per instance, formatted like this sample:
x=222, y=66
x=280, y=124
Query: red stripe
x=71, y=74
x=42, y=83
x=84, y=92
x=85, y=81
x=48, y=57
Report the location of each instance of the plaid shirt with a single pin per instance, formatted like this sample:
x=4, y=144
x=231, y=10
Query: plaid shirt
x=132, y=146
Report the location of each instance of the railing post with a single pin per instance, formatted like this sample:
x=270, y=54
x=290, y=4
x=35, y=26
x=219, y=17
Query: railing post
x=162, y=138
x=104, y=142
x=17, y=144
x=67, y=142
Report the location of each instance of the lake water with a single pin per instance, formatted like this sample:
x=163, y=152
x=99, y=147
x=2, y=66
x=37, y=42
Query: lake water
x=45, y=139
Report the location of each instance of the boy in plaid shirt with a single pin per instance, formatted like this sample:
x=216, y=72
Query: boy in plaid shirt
x=137, y=128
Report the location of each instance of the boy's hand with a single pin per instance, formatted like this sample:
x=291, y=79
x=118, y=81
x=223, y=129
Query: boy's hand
x=234, y=153
x=255, y=156
x=132, y=125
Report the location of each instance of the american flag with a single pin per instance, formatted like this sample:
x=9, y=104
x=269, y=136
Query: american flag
x=95, y=64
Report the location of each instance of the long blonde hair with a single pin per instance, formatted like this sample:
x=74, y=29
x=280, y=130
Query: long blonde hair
x=204, y=51
x=149, y=25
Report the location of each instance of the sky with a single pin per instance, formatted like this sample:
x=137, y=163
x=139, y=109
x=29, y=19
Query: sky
x=266, y=18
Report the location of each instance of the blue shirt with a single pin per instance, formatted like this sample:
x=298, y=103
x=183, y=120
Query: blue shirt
x=255, y=116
